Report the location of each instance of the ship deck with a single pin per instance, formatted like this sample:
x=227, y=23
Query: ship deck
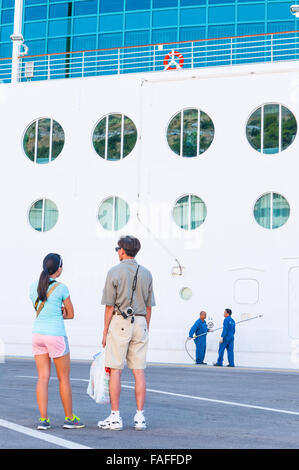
x=188, y=407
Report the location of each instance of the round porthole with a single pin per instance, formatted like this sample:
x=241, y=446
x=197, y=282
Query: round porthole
x=43, y=140
x=43, y=215
x=271, y=211
x=190, y=133
x=114, y=213
x=114, y=137
x=271, y=128
x=186, y=293
x=189, y=212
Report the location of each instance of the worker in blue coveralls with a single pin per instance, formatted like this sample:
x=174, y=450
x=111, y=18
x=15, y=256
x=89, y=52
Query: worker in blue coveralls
x=227, y=339
x=199, y=327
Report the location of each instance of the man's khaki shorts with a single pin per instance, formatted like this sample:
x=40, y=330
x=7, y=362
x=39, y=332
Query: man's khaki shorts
x=126, y=341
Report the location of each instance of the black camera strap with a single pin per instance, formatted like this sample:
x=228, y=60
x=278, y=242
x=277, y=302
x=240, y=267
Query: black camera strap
x=133, y=290
x=134, y=285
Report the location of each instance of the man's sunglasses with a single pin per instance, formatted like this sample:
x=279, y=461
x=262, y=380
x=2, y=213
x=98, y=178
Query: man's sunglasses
x=117, y=248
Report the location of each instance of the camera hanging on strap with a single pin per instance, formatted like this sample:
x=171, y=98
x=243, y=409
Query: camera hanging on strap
x=129, y=312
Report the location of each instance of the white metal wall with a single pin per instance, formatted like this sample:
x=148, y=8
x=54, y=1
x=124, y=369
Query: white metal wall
x=229, y=177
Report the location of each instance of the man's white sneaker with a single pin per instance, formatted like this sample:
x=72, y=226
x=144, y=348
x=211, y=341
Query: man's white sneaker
x=139, y=422
x=114, y=423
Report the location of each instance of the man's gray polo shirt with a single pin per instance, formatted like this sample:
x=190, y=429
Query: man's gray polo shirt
x=118, y=287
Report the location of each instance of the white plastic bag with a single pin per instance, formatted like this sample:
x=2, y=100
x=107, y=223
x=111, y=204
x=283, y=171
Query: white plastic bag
x=98, y=386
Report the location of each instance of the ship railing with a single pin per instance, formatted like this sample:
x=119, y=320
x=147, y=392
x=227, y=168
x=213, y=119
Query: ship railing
x=226, y=51
x=5, y=70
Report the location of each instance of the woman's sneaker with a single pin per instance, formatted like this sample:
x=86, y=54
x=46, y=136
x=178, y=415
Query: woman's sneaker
x=139, y=422
x=43, y=424
x=113, y=422
x=73, y=423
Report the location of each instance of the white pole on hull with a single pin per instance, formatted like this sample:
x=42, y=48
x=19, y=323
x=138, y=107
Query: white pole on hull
x=17, y=41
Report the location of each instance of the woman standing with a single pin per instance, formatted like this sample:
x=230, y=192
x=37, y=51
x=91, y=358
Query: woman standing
x=53, y=305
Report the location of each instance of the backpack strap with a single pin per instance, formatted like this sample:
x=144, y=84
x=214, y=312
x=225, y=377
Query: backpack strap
x=41, y=306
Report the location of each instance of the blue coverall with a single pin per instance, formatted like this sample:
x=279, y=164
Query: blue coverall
x=227, y=334
x=198, y=328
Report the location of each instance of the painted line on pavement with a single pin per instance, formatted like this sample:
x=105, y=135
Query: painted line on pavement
x=43, y=437
x=211, y=400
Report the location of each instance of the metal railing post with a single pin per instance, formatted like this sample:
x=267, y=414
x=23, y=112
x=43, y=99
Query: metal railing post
x=118, y=61
x=48, y=68
x=192, y=54
x=154, y=58
x=231, y=51
x=271, y=47
x=83, y=63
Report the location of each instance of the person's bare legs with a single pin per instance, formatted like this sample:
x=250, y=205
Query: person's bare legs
x=43, y=366
x=140, y=388
x=114, y=388
x=62, y=365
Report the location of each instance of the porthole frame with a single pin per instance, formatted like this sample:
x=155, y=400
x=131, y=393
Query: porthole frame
x=271, y=229
x=35, y=151
x=198, y=139
x=181, y=295
x=280, y=126
x=190, y=230
x=114, y=196
x=105, y=159
x=44, y=198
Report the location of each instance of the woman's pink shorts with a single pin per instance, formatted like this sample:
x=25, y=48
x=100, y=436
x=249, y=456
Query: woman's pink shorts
x=55, y=346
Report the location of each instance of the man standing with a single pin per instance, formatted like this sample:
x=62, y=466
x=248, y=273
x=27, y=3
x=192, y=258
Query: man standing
x=199, y=328
x=129, y=297
x=227, y=339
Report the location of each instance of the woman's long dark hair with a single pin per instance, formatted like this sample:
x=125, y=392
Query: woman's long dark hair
x=51, y=264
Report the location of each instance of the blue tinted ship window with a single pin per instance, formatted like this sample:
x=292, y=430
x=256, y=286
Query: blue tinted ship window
x=57, y=45
x=187, y=3
x=111, y=22
x=278, y=11
x=60, y=28
x=138, y=4
x=138, y=20
x=87, y=7
x=107, y=41
x=164, y=35
x=5, y=50
x=59, y=10
x=5, y=33
x=33, y=2
x=250, y=28
x=10, y=3
x=165, y=3
x=35, y=13
x=221, y=31
x=191, y=34
x=38, y=29
x=137, y=38
x=84, y=43
x=81, y=25
x=106, y=6
x=36, y=47
x=193, y=15
x=213, y=2
x=279, y=26
x=165, y=18
x=251, y=12
x=222, y=14
x=7, y=16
